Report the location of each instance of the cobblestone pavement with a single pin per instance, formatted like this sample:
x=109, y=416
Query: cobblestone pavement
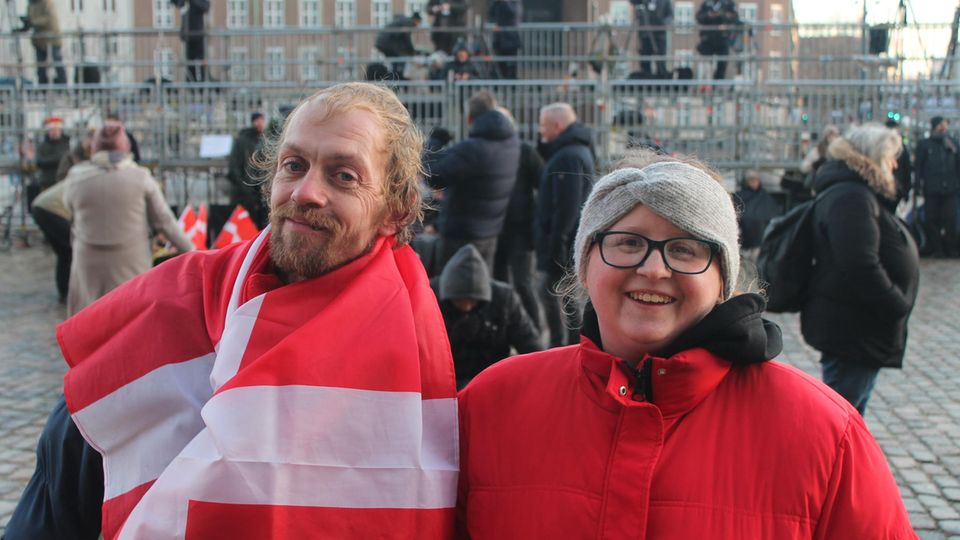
x=915, y=414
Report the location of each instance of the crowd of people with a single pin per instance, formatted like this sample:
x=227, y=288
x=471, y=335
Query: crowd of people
x=367, y=334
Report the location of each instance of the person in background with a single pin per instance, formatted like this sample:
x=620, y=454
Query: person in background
x=653, y=41
x=244, y=182
x=134, y=145
x=668, y=418
x=938, y=175
x=53, y=219
x=757, y=208
x=716, y=42
x=514, y=260
x=817, y=155
x=505, y=15
x=116, y=207
x=396, y=40
x=447, y=14
x=81, y=152
x=194, y=38
x=461, y=66
x=484, y=318
x=865, y=282
x=570, y=163
x=47, y=43
x=477, y=177
x=49, y=153
x=904, y=171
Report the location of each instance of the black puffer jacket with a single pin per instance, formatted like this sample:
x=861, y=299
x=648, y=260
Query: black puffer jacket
x=478, y=176
x=49, y=154
x=484, y=335
x=865, y=282
x=523, y=201
x=564, y=187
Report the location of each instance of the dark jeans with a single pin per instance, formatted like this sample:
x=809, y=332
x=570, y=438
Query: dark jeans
x=42, y=65
x=851, y=380
x=653, y=44
x=514, y=264
x=196, y=63
x=57, y=231
x=449, y=246
x=940, y=223
x=563, y=321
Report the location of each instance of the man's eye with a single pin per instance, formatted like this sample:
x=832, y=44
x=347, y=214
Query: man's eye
x=345, y=177
x=293, y=166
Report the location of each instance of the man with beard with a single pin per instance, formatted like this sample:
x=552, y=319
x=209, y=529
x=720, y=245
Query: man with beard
x=295, y=383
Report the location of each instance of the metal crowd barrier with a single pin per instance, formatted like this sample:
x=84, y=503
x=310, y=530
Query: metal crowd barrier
x=732, y=124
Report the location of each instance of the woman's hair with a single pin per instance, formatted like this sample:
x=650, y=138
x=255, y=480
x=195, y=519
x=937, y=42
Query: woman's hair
x=111, y=138
x=875, y=141
x=403, y=145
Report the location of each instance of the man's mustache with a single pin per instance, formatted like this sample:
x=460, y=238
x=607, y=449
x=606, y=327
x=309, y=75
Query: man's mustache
x=312, y=216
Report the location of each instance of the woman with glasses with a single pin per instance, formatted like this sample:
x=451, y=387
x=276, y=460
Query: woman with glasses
x=668, y=419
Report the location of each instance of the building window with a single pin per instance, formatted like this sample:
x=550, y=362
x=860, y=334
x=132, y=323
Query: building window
x=309, y=63
x=165, y=61
x=683, y=16
x=273, y=14
x=419, y=6
x=683, y=58
x=748, y=12
x=345, y=13
x=380, y=13
x=776, y=17
x=162, y=13
x=309, y=13
x=620, y=12
x=775, y=67
x=239, y=62
x=275, y=68
x=76, y=6
x=238, y=13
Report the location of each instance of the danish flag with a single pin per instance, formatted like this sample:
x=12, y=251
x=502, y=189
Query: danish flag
x=238, y=228
x=194, y=225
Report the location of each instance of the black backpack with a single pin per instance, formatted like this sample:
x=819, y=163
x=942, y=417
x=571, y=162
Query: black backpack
x=787, y=259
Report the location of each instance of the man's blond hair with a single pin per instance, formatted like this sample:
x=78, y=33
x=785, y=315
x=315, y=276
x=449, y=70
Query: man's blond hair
x=402, y=140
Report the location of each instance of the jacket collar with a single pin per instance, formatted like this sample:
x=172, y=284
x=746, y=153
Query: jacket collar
x=677, y=379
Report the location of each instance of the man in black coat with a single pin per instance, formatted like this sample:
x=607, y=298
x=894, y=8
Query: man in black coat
x=477, y=176
x=653, y=41
x=716, y=42
x=50, y=152
x=244, y=184
x=396, y=40
x=447, y=14
x=567, y=147
x=938, y=174
x=194, y=40
x=484, y=318
x=505, y=15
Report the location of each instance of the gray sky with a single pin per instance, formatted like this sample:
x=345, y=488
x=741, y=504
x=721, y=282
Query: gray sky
x=924, y=11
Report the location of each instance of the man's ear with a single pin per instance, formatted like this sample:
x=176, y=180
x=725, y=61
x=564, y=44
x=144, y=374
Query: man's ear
x=389, y=228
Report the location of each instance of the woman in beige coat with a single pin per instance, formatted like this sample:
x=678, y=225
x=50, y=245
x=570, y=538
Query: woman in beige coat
x=117, y=206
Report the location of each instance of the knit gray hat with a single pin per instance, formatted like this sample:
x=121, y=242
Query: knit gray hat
x=684, y=195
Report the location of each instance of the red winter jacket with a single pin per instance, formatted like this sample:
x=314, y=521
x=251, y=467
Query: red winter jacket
x=563, y=444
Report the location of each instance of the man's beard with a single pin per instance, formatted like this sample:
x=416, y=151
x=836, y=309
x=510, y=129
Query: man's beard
x=303, y=256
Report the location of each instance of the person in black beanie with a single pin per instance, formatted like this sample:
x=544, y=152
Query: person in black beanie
x=938, y=175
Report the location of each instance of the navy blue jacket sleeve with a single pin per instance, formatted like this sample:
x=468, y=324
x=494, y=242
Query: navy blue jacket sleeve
x=63, y=498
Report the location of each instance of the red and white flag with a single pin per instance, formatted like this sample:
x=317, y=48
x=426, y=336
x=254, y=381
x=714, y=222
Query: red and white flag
x=228, y=405
x=194, y=225
x=239, y=227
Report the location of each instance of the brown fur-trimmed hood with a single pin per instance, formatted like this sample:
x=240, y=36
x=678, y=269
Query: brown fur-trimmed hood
x=877, y=178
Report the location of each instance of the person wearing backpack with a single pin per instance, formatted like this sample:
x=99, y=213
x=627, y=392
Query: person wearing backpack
x=864, y=282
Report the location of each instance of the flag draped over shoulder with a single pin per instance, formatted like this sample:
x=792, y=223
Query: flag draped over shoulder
x=320, y=409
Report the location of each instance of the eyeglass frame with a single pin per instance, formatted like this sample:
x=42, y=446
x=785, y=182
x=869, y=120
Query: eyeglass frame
x=659, y=246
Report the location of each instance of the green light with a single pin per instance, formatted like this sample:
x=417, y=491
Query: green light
x=896, y=117
x=805, y=117
x=891, y=115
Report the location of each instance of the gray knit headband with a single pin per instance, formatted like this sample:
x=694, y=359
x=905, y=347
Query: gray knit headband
x=684, y=195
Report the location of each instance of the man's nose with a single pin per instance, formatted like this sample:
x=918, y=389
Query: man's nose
x=311, y=190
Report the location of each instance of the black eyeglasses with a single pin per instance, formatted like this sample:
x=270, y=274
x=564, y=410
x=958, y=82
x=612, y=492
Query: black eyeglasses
x=630, y=250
